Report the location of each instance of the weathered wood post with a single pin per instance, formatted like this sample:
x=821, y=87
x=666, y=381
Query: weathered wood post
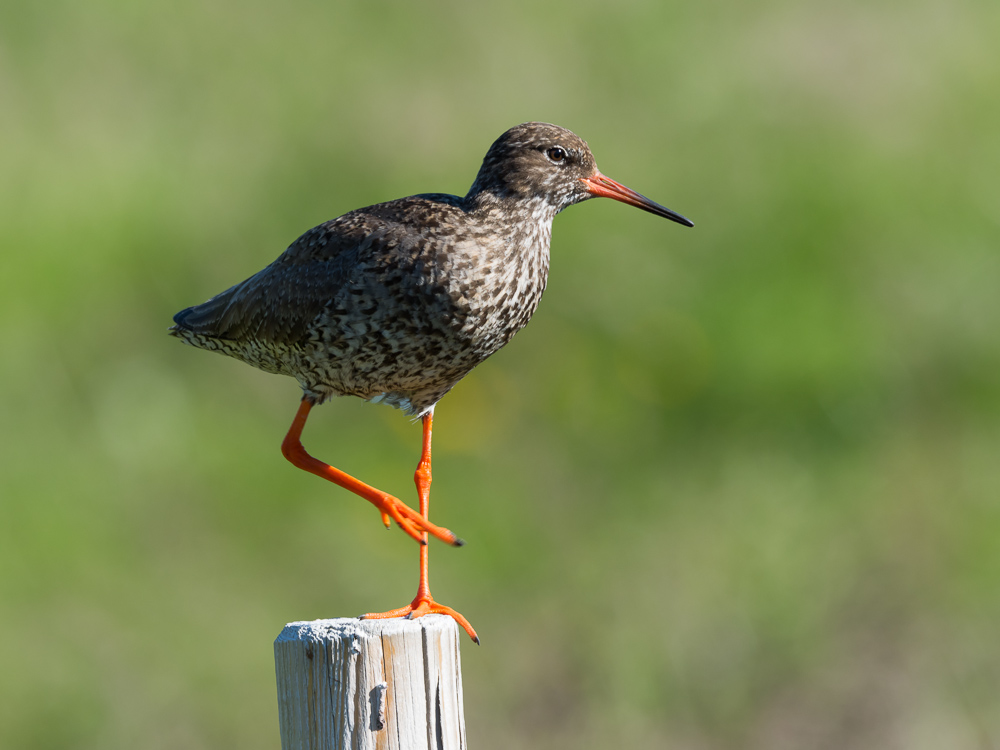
x=352, y=684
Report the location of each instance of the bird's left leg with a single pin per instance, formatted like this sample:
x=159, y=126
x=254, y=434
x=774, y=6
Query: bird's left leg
x=423, y=603
x=413, y=523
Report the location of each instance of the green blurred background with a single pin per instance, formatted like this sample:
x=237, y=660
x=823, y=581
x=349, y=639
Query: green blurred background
x=734, y=487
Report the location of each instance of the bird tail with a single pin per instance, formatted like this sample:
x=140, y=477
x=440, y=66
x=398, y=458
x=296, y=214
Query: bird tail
x=207, y=319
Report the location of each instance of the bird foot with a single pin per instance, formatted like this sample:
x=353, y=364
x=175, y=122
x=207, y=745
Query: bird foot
x=424, y=604
x=414, y=524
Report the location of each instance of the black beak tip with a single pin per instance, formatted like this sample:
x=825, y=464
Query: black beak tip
x=674, y=216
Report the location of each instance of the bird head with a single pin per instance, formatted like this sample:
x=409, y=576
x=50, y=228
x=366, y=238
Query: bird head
x=538, y=163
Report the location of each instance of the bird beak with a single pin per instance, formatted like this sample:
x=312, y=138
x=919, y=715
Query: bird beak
x=605, y=187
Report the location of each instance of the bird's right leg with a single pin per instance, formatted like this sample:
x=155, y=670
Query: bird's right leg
x=423, y=603
x=409, y=520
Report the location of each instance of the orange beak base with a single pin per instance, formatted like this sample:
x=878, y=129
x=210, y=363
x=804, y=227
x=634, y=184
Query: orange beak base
x=605, y=187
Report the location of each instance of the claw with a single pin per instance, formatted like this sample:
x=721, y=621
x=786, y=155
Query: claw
x=424, y=605
x=410, y=521
x=405, y=518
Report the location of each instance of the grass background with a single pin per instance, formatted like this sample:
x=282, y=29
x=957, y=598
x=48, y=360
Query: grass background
x=734, y=487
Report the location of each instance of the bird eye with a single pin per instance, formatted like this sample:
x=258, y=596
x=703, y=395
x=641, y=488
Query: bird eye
x=556, y=154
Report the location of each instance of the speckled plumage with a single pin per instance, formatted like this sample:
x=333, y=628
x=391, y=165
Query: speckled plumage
x=399, y=301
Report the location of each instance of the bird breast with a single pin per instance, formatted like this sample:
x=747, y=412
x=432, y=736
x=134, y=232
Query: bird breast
x=495, y=287
x=421, y=313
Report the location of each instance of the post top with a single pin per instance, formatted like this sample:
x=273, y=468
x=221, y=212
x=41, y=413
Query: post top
x=352, y=627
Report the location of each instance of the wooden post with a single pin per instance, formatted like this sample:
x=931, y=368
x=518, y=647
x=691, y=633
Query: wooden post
x=351, y=684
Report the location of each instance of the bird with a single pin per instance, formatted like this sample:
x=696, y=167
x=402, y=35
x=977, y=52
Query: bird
x=395, y=303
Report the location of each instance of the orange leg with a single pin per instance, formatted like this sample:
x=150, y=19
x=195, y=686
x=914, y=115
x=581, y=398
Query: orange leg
x=413, y=523
x=423, y=603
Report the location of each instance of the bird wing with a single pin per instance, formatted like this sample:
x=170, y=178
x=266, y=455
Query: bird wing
x=278, y=304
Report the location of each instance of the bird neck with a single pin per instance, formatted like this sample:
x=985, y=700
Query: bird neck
x=506, y=208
